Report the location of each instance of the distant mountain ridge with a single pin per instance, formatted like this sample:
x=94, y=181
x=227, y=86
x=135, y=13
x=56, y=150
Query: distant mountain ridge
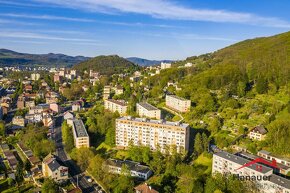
x=145, y=62
x=12, y=58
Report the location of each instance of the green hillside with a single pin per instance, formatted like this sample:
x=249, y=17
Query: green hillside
x=235, y=89
x=107, y=65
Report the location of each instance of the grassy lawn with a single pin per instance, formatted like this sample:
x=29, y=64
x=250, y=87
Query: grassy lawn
x=204, y=161
x=121, y=154
x=104, y=146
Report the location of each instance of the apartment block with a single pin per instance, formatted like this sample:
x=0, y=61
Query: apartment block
x=178, y=103
x=81, y=137
x=148, y=110
x=283, y=162
x=264, y=177
x=164, y=65
x=116, y=105
x=153, y=133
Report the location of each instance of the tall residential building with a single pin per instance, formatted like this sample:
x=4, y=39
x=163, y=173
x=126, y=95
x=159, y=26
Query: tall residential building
x=81, y=137
x=116, y=105
x=262, y=175
x=148, y=110
x=178, y=103
x=165, y=65
x=35, y=76
x=153, y=133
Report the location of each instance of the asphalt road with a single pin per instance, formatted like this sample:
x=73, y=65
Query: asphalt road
x=77, y=176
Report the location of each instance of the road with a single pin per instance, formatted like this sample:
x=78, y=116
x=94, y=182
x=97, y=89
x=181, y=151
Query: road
x=78, y=177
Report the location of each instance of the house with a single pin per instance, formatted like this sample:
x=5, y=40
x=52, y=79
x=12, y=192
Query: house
x=20, y=102
x=135, y=168
x=76, y=106
x=29, y=103
x=54, y=107
x=258, y=133
x=18, y=121
x=47, y=120
x=28, y=88
x=33, y=118
x=144, y=188
x=68, y=115
x=53, y=169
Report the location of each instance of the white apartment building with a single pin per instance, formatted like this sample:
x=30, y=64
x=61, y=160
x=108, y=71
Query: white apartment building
x=135, y=168
x=165, y=65
x=148, y=110
x=153, y=133
x=178, y=103
x=35, y=76
x=116, y=105
x=81, y=137
x=266, y=180
x=52, y=168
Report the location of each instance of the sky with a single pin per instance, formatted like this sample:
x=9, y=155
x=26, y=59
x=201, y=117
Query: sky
x=151, y=29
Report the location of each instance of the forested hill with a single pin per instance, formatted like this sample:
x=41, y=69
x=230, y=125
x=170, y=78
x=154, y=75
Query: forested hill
x=267, y=56
x=235, y=89
x=107, y=65
x=263, y=60
x=12, y=58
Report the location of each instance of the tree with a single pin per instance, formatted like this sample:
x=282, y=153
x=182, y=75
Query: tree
x=67, y=136
x=241, y=89
x=261, y=85
x=49, y=186
x=205, y=141
x=278, y=136
x=215, y=125
x=82, y=156
x=198, y=144
x=96, y=167
x=2, y=128
x=19, y=172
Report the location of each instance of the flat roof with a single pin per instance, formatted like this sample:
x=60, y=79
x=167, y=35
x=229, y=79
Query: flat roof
x=177, y=97
x=148, y=106
x=280, y=181
x=161, y=122
x=118, y=102
x=242, y=161
x=79, y=128
x=273, y=155
x=133, y=166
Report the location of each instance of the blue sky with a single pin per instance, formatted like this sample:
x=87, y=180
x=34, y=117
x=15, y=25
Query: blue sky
x=152, y=29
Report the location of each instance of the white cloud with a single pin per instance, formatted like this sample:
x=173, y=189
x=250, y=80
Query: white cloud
x=169, y=10
x=29, y=35
x=45, y=17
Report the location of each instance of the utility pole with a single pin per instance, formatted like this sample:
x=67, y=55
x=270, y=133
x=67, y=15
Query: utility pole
x=77, y=180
